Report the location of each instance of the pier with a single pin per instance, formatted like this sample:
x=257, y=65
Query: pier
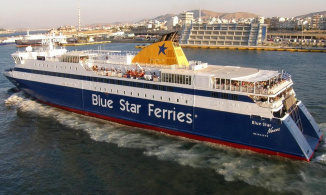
x=320, y=50
x=296, y=35
x=86, y=43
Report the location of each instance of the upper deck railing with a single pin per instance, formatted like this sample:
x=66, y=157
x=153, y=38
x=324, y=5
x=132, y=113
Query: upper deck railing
x=255, y=87
x=110, y=52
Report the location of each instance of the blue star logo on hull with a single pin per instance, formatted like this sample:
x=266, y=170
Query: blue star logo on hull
x=162, y=49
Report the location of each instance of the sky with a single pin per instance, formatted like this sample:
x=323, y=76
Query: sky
x=30, y=14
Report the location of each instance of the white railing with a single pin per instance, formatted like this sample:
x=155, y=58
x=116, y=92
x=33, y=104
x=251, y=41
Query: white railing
x=273, y=105
x=109, y=63
x=276, y=88
x=258, y=89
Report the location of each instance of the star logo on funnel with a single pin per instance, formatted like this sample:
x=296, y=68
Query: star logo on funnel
x=162, y=49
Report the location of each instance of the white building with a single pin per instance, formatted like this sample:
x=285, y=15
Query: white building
x=322, y=23
x=187, y=18
x=231, y=34
x=172, y=22
x=260, y=20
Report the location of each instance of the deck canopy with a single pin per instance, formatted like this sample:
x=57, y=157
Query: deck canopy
x=228, y=72
x=261, y=75
x=74, y=57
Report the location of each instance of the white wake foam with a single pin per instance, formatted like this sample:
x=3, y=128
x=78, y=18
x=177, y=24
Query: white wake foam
x=15, y=99
x=321, y=158
x=323, y=129
x=274, y=173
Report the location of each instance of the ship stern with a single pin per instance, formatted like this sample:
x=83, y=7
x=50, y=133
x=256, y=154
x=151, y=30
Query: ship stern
x=304, y=129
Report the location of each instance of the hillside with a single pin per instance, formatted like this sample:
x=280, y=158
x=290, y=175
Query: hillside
x=311, y=14
x=207, y=14
x=164, y=17
x=236, y=15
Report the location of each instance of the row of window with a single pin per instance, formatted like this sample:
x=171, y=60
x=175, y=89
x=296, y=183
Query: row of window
x=105, y=90
x=64, y=75
x=105, y=80
x=224, y=96
x=42, y=65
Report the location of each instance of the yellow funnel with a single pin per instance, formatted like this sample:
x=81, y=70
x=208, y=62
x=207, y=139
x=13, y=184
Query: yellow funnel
x=162, y=53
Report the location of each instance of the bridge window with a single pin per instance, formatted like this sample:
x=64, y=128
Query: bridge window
x=234, y=97
x=224, y=96
x=168, y=88
x=154, y=86
x=215, y=94
x=42, y=58
x=176, y=78
x=146, y=86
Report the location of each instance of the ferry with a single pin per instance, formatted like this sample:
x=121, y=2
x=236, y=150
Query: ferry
x=9, y=41
x=40, y=39
x=157, y=88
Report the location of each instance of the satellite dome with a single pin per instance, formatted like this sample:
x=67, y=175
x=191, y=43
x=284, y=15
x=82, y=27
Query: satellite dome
x=29, y=49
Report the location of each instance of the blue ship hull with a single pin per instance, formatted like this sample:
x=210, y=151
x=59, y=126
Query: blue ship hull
x=275, y=137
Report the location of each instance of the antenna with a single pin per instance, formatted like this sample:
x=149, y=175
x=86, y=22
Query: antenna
x=78, y=15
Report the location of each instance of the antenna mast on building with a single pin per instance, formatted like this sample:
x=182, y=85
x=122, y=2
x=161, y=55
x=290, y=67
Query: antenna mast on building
x=79, y=15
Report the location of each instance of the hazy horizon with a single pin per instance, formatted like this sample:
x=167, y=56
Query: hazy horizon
x=52, y=14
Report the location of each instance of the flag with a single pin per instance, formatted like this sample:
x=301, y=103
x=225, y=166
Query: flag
x=286, y=76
